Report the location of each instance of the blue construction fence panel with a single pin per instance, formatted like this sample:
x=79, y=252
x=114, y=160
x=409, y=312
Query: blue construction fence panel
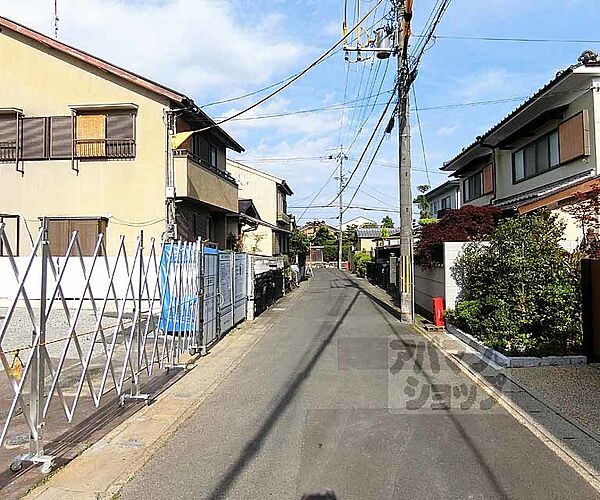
x=223, y=293
x=178, y=282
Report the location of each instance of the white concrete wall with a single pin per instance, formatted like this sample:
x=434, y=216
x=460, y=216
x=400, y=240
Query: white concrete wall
x=73, y=282
x=438, y=281
x=429, y=283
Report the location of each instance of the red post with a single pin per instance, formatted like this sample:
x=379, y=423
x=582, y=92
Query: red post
x=438, y=311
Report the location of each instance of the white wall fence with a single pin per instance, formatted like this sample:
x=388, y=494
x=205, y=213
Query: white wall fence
x=438, y=281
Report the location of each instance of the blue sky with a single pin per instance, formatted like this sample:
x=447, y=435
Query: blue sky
x=218, y=49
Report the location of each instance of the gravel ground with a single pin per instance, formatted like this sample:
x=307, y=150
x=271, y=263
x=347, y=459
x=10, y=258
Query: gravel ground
x=572, y=390
x=20, y=330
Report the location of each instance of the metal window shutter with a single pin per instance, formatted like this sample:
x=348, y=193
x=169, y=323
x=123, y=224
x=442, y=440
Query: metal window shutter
x=8, y=129
x=61, y=137
x=574, y=137
x=33, y=138
x=120, y=126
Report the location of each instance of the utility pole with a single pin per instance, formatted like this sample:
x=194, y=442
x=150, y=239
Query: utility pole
x=341, y=157
x=383, y=48
x=405, y=78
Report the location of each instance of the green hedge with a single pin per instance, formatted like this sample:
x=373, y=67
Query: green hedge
x=521, y=293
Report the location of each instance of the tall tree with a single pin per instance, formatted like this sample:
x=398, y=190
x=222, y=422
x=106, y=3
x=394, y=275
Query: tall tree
x=387, y=222
x=422, y=202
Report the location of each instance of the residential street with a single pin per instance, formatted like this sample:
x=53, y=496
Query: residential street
x=331, y=398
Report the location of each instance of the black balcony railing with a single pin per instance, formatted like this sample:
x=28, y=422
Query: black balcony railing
x=105, y=148
x=8, y=151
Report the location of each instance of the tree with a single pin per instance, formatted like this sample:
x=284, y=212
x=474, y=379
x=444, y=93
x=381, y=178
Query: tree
x=586, y=212
x=299, y=245
x=387, y=222
x=422, y=201
x=520, y=291
x=349, y=235
x=321, y=235
x=465, y=224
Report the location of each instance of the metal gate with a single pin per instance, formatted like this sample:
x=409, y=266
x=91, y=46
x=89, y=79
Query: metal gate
x=240, y=291
x=76, y=327
x=210, y=331
x=225, y=292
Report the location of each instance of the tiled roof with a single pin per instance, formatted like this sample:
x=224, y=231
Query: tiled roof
x=374, y=232
x=547, y=189
x=561, y=75
x=368, y=232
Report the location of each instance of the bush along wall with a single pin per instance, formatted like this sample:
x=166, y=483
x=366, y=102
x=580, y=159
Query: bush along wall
x=469, y=223
x=520, y=294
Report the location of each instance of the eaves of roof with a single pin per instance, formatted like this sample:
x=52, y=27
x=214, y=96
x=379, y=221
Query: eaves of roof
x=519, y=199
x=140, y=81
x=480, y=140
x=451, y=184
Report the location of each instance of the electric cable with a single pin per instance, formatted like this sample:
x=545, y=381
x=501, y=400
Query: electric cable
x=366, y=148
x=299, y=75
x=416, y=107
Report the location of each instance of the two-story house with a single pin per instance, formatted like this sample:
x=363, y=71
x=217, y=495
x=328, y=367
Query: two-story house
x=443, y=198
x=541, y=153
x=84, y=143
x=269, y=195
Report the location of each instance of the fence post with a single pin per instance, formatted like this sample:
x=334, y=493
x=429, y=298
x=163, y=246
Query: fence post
x=199, y=333
x=250, y=288
x=136, y=332
x=36, y=404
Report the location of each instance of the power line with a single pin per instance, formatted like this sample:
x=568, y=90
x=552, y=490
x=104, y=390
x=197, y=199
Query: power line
x=366, y=148
x=509, y=39
x=318, y=193
x=331, y=107
x=296, y=77
x=368, y=168
x=421, y=136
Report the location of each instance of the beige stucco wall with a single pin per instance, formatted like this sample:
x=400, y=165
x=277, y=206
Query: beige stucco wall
x=262, y=190
x=44, y=84
x=199, y=183
x=365, y=245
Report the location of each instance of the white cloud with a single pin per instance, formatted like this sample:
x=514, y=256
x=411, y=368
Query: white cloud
x=196, y=46
x=446, y=130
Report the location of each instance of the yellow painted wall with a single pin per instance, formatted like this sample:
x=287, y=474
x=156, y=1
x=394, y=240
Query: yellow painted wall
x=263, y=191
x=45, y=84
x=201, y=184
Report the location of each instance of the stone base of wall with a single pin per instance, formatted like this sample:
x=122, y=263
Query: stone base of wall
x=513, y=361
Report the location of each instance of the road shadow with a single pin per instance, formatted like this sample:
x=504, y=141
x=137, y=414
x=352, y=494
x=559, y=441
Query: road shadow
x=253, y=446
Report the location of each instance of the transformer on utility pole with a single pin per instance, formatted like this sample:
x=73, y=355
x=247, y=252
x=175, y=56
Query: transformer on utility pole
x=383, y=48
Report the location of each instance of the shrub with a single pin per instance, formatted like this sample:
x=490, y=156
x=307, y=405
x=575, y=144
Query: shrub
x=360, y=261
x=520, y=292
x=465, y=224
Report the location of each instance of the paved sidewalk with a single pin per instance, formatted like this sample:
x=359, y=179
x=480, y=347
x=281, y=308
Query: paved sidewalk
x=101, y=470
x=563, y=401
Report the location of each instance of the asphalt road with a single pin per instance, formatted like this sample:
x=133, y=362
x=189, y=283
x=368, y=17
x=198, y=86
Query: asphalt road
x=340, y=396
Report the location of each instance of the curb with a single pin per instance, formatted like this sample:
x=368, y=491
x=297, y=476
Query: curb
x=586, y=471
